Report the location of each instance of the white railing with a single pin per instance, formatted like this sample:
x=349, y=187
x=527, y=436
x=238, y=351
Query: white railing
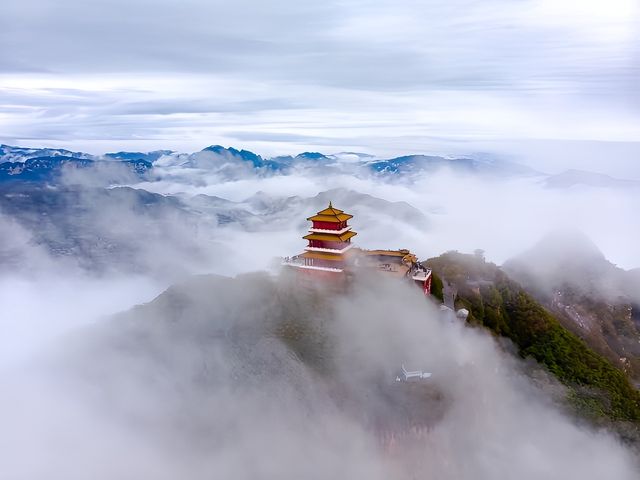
x=323, y=230
x=421, y=275
x=299, y=263
x=329, y=250
x=293, y=261
x=323, y=269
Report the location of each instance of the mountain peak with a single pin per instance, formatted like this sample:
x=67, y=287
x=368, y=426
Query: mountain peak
x=146, y=156
x=234, y=152
x=558, y=243
x=566, y=257
x=312, y=156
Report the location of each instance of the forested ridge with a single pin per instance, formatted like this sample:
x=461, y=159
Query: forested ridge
x=597, y=388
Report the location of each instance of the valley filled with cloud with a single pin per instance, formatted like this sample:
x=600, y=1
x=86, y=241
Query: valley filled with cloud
x=203, y=377
x=159, y=162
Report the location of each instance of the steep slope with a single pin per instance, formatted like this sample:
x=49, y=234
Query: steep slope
x=500, y=304
x=590, y=296
x=238, y=377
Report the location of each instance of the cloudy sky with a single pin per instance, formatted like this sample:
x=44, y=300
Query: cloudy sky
x=552, y=82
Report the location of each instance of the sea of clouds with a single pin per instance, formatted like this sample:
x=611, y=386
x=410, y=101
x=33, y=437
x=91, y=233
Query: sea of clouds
x=497, y=425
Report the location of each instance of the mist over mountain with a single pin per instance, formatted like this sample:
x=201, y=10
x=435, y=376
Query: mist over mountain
x=428, y=202
x=217, y=364
x=346, y=239
x=52, y=169
x=231, y=162
x=572, y=178
x=146, y=156
x=302, y=382
x=44, y=164
x=570, y=258
x=10, y=153
x=369, y=209
x=597, y=300
x=105, y=228
x=123, y=229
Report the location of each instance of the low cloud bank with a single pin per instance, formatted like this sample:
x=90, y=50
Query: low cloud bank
x=252, y=377
x=255, y=378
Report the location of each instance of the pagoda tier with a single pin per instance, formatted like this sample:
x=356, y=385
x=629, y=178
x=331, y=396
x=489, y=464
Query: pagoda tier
x=330, y=220
x=329, y=239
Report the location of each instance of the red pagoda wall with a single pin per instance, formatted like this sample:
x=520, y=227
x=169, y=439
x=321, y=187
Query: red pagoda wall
x=425, y=285
x=325, y=244
x=329, y=225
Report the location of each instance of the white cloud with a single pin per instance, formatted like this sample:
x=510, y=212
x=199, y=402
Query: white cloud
x=551, y=83
x=160, y=395
x=493, y=413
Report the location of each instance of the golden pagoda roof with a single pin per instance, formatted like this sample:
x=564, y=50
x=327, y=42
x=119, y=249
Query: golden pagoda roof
x=323, y=256
x=405, y=254
x=330, y=210
x=387, y=253
x=330, y=214
x=328, y=237
x=328, y=218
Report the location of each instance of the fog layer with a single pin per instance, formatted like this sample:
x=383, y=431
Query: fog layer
x=255, y=378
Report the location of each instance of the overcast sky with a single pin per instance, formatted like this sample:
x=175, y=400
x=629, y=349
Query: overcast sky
x=554, y=82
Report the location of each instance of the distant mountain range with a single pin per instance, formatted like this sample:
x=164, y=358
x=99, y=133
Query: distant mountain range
x=50, y=169
x=146, y=156
x=45, y=164
x=10, y=153
x=427, y=163
x=120, y=228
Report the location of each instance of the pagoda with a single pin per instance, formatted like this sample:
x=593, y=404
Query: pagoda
x=329, y=240
x=331, y=255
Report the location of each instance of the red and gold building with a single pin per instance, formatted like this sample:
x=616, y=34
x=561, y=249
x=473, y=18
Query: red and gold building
x=330, y=253
x=329, y=240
